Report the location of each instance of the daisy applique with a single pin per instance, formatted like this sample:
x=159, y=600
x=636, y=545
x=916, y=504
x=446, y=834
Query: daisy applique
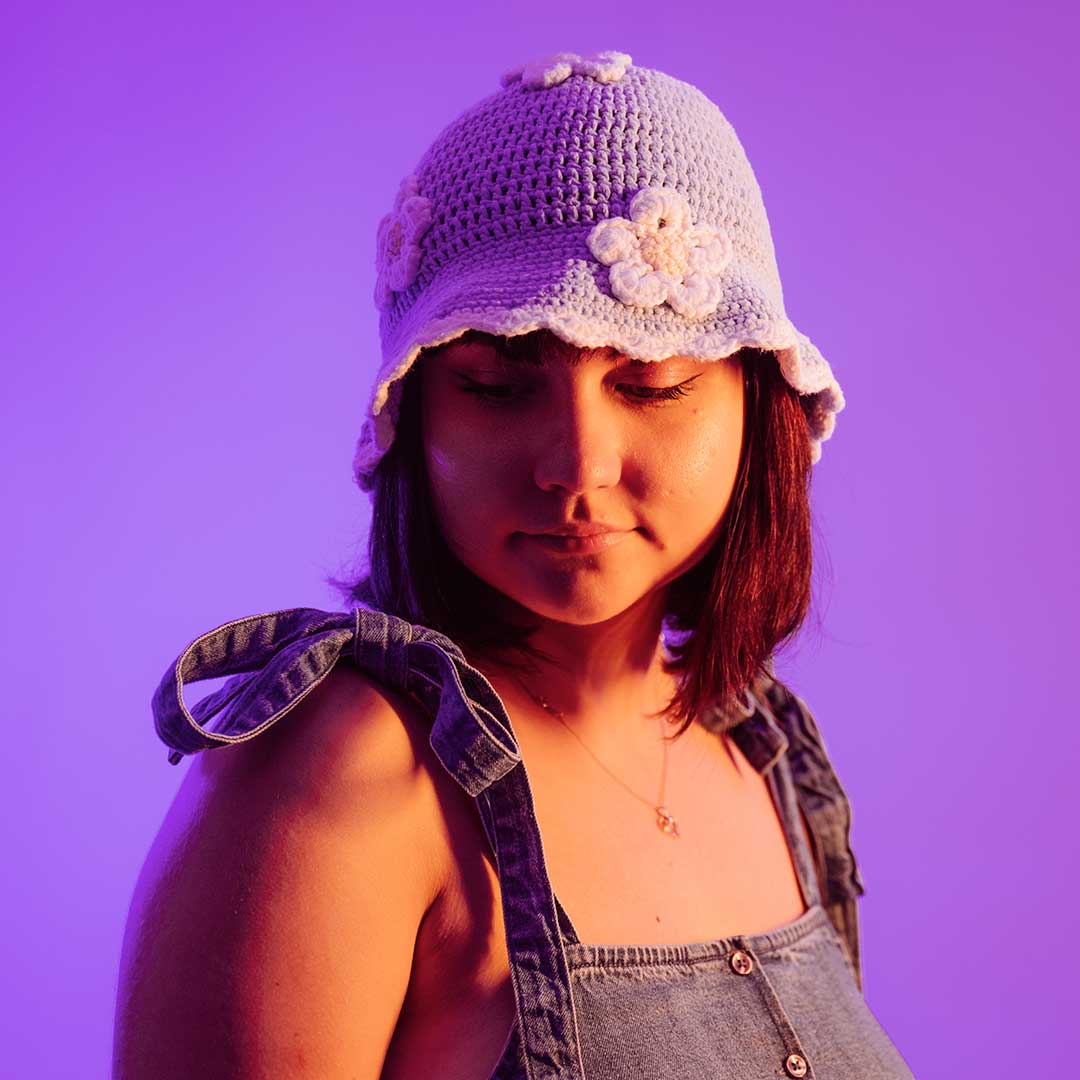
x=551, y=70
x=397, y=243
x=658, y=254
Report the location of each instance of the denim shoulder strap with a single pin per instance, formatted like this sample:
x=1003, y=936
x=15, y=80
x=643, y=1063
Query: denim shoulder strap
x=276, y=659
x=828, y=814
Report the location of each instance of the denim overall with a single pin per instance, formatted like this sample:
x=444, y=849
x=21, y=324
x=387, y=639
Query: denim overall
x=787, y=1002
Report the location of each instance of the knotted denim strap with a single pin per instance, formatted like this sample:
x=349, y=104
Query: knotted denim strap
x=276, y=659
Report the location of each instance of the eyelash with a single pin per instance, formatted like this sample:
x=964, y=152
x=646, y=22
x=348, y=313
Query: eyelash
x=656, y=394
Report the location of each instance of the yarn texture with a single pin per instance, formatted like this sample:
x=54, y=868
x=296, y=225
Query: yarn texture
x=609, y=203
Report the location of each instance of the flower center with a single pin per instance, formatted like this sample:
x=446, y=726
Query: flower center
x=393, y=240
x=667, y=253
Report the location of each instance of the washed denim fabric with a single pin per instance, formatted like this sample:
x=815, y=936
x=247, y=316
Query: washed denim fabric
x=783, y=1003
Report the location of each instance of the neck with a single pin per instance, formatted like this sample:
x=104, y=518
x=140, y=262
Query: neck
x=604, y=678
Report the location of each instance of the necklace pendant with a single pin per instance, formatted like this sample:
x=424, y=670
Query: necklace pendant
x=666, y=822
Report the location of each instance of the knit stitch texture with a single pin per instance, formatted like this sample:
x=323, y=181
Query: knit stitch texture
x=609, y=203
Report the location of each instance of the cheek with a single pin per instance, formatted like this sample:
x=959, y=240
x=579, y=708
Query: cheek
x=698, y=467
x=464, y=472
x=707, y=451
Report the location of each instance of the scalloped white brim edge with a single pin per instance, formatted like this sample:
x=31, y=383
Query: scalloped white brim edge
x=800, y=362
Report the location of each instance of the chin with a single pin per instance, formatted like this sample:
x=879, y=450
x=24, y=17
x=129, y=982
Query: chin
x=574, y=601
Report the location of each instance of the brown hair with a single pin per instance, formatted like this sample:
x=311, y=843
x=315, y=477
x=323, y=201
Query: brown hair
x=725, y=616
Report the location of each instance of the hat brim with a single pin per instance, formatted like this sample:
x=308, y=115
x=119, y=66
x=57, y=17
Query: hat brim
x=570, y=296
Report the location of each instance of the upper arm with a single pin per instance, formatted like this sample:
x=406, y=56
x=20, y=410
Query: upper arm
x=274, y=922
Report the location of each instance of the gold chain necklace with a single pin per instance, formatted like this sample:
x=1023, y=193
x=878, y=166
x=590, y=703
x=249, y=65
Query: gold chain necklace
x=664, y=820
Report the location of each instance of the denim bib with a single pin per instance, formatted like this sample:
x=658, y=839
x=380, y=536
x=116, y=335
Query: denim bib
x=787, y=1002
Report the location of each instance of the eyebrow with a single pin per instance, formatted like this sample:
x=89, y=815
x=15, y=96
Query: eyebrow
x=572, y=360
x=529, y=355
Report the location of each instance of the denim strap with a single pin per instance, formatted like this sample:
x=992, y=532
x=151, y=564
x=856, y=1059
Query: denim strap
x=277, y=658
x=828, y=813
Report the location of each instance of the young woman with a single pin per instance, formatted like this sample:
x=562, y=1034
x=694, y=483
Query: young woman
x=537, y=805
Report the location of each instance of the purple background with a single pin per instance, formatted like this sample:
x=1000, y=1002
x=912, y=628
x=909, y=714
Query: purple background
x=190, y=197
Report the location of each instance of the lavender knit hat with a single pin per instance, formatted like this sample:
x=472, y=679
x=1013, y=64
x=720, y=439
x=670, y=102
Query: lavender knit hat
x=609, y=203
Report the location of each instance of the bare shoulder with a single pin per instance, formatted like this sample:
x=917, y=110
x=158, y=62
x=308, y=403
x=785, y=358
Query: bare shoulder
x=352, y=756
x=350, y=729
x=292, y=872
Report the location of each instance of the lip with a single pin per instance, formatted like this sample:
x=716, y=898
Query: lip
x=572, y=528
x=579, y=545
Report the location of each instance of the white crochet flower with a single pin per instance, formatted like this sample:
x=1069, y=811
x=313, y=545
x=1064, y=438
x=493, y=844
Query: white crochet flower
x=605, y=67
x=658, y=255
x=397, y=244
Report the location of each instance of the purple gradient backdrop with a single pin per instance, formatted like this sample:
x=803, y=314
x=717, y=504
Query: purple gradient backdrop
x=189, y=199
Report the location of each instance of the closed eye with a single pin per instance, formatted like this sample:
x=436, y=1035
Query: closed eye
x=502, y=393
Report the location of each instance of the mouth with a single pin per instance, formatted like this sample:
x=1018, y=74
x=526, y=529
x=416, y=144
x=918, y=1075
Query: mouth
x=579, y=545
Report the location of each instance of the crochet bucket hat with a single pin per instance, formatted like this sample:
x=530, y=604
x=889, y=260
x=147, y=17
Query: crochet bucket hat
x=609, y=203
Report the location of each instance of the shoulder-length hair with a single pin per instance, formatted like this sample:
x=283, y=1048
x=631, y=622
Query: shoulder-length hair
x=725, y=616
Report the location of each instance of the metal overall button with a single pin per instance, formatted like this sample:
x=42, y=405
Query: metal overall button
x=741, y=962
x=796, y=1065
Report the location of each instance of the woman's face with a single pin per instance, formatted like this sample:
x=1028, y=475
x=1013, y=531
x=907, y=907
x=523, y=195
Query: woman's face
x=513, y=449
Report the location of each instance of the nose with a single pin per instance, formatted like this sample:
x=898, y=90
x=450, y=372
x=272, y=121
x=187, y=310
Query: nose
x=579, y=441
